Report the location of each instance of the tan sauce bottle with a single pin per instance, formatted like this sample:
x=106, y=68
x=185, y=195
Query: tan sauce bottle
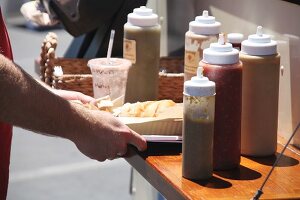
x=261, y=65
x=198, y=127
x=203, y=31
x=142, y=47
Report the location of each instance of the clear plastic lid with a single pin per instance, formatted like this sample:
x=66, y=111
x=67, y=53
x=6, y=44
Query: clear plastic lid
x=114, y=63
x=199, y=85
x=142, y=16
x=205, y=25
x=221, y=53
x=259, y=44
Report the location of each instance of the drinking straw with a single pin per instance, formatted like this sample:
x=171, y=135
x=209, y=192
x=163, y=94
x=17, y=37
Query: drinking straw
x=110, y=44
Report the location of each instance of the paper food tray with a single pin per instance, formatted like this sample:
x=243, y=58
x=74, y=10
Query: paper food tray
x=167, y=123
x=154, y=126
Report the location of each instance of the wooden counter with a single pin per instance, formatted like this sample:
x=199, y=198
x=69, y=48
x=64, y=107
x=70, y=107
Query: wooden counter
x=161, y=166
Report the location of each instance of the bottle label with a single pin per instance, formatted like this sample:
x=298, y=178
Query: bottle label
x=194, y=52
x=129, y=50
x=191, y=60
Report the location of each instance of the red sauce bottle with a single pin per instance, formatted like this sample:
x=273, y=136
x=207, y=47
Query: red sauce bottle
x=221, y=64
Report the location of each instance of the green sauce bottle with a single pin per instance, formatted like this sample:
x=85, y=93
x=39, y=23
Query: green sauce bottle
x=142, y=48
x=198, y=127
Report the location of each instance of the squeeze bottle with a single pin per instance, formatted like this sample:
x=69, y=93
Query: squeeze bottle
x=202, y=31
x=198, y=127
x=222, y=65
x=142, y=47
x=261, y=66
x=235, y=39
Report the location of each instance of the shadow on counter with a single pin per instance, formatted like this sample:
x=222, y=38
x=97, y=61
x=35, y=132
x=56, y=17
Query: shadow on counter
x=285, y=161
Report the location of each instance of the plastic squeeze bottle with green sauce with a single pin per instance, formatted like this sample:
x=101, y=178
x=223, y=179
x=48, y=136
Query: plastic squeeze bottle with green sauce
x=203, y=31
x=142, y=47
x=221, y=64
x=261, y=66
x=198, y=127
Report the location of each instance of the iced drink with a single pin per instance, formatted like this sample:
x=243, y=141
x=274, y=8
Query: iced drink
x=109, y=77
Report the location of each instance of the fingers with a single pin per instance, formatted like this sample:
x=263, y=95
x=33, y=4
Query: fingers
x=123, y=150
x=84, y=98
x=72, y=95
x=138, y=141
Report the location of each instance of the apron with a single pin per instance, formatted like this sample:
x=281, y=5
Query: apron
x=5, y=129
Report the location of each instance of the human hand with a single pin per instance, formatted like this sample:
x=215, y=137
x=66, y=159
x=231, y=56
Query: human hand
x=73, y=95
x=107, y=137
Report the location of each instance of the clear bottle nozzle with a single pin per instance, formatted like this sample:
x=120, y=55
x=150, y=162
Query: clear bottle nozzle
x=205, y=13
x=259, y=31
x=221, y=39
x=200, y=72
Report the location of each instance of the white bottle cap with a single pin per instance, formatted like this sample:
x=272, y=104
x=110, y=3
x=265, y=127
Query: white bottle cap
x=235, y=38
x=142, y=16
x=205, y=25
x=221, y=53
x=199, y=85
x=259, y=44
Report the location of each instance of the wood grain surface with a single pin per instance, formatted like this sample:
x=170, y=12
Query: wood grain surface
x=161, y=166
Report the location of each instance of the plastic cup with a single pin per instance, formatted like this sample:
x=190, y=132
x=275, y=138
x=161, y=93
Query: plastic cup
x=109, y=78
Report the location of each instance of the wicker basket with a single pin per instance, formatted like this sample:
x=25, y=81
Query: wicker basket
x=77, y=76
x=171, y=78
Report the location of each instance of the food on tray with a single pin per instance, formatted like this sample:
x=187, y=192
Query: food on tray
x=145, y=109
x=162, y=117
x=103, y=104
x=139, y=109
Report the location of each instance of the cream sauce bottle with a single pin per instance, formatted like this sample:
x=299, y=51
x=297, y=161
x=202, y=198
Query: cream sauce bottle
x=261, y=66
x=198, y=127
x=142, y=47
x=203, y=31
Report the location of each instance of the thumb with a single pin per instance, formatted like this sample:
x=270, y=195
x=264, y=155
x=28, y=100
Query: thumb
x=138, y=141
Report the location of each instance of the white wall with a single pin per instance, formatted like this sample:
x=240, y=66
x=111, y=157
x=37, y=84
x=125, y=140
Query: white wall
x=160, y=8
x=280, y=19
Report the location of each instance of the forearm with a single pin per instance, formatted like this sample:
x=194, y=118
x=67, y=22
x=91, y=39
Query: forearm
x=27, y=104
